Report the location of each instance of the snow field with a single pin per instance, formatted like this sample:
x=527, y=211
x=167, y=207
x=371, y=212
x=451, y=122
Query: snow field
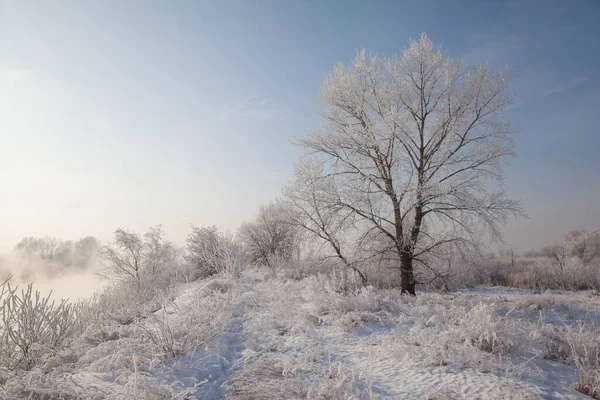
x=267, y=336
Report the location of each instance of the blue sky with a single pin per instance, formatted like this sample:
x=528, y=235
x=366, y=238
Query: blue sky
x=139, y=113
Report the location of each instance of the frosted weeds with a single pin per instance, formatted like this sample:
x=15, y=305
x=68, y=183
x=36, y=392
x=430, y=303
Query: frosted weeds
x=458, y=345
x=265, y=337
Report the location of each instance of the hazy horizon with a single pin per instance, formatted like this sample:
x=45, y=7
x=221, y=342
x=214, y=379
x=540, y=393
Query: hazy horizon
x=141, y=114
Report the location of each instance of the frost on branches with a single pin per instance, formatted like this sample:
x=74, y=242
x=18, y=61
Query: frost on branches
x=410, y=151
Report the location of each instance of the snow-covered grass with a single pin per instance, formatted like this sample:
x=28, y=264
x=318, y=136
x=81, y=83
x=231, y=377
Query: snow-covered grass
x=270, y=335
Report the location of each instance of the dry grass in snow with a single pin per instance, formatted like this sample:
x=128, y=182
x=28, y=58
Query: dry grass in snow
x=264, y=336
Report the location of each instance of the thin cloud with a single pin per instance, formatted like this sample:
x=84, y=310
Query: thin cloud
x=492, y=50
x=563, y=87
x=537, y=85
x=250, y=107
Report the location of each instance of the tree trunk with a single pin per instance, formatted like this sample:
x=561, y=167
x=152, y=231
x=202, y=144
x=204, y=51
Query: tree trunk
x=406, y=275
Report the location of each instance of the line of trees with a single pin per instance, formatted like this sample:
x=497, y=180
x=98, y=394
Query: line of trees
x=54, y=255
x=580, y=244
x=151, y=261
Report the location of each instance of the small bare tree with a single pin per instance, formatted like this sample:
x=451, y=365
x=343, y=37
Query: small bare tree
x=556, y=253
x=122, y=259
x=271, y=235
x=415, y=146
x=142, y=259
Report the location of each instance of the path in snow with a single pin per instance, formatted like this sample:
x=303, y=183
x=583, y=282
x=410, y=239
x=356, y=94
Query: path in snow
x=211, y=368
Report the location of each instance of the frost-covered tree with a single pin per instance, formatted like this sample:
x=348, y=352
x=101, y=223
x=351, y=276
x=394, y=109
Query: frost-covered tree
x=158, y=253
x=583, y=245
x=85, y=251
x=206, y=249
x=312, y=206
x=270, y=236
x=140, y=259
x=415, y=146
x=122, y=259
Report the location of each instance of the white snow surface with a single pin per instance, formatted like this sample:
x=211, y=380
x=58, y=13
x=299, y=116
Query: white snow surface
x=277, y=338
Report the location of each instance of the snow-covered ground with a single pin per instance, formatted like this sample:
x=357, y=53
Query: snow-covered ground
x=267, y=337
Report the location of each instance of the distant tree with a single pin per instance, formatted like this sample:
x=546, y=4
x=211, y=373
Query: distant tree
x=415, y=146
x=532, y=253
x=54, y=255
x=270, y=236
x=556, y=253
x=48, y=248
x=583, y=245
x=85, y=250
x=29, y=248
x=63, y=255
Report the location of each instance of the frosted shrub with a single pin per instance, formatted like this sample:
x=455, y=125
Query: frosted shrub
x=36, y=384
x=439, y=329
x=122, y=303
x=206, y=250
x=354, y=319
x=116, y=356
x=31, y=326
x=328, y=293
x=278, y=376
x=483, y=328
x=274, y=314
x=584, y=345
x=271, y=237
x=338, y=382
x=161, y=333
x=178, y=330
x=579, y=346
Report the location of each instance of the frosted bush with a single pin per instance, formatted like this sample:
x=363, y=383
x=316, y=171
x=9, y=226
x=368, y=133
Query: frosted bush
x=275, y=314
x=31, y=326
x=438, y=329
x=483, y=328
x=122, y=303
x=325, y=292
x=337, y=382
x=180, y=329
x=579, y=346
x=354, y=319
x=584, y=345
x=116, y=355
x=36, y=384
